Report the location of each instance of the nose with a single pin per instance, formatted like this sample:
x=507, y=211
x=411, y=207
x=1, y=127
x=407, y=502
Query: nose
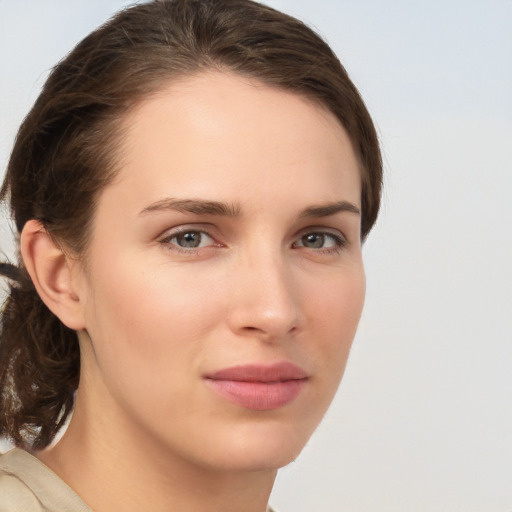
x=264, y=299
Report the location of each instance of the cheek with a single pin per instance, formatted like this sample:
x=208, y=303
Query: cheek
x=145, y=327
x=163, y=301
x=145, y=330
x=335, y=312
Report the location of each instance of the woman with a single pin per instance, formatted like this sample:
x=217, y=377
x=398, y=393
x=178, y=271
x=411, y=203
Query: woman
x=191, y=190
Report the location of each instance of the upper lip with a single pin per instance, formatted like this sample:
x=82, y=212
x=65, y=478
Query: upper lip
x=275, y=372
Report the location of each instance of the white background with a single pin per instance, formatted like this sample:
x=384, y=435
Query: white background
x=423, y=420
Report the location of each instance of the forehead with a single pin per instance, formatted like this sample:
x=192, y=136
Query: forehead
x=215, y=133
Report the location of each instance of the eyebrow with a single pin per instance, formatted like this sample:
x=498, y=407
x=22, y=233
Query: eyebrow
x=204, y=207
x=198, y=206
x=326, y=210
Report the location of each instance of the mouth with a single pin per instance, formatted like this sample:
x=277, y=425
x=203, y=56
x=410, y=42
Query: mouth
x=259, y=387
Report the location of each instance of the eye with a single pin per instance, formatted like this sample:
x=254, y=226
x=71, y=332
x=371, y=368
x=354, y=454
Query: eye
x=189, y=239
x=321, y=240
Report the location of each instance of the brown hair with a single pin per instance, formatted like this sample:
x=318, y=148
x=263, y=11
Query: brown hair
x=65, y=153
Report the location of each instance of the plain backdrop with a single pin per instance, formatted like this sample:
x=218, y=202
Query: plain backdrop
x=423, y=419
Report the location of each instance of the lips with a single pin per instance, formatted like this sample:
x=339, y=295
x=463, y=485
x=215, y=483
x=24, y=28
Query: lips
x=259, y=387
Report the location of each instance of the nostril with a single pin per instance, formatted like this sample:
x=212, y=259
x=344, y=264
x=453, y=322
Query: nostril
x=266, y=333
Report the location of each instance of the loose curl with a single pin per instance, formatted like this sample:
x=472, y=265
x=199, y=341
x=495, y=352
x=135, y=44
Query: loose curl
x=66, y=152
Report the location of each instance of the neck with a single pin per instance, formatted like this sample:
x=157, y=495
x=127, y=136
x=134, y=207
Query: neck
x=115, y=467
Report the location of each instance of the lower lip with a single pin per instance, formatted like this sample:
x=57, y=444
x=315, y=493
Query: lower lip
x=259, y=396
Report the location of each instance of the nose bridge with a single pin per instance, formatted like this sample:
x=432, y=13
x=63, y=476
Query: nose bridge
x=265, y=300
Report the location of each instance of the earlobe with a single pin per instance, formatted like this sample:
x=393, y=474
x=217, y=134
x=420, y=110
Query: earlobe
x=52, y=272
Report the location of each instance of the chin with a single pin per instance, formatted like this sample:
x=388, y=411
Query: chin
x=259, y=446
x=251, y=459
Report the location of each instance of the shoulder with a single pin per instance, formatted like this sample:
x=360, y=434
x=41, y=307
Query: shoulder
x=27, y=485
x=14, y=494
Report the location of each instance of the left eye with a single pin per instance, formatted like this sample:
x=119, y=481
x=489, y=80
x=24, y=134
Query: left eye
x=190, y=239
x=320, y=241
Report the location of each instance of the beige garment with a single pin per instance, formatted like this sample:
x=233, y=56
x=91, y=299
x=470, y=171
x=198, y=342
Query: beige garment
x=27, y=485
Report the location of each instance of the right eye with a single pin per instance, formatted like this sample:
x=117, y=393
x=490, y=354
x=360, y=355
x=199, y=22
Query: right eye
x=188, y=239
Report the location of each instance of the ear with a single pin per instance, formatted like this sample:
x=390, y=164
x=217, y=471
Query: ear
x=53, y=273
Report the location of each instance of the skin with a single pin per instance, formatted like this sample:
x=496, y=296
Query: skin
x=266, y=284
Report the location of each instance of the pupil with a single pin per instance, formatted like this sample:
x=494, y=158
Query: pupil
x=190, y=239
x=313, y=240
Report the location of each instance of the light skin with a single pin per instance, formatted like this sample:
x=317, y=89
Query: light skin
x=265, y=184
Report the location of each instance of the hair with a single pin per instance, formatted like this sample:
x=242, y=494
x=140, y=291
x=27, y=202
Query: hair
x=66, y=152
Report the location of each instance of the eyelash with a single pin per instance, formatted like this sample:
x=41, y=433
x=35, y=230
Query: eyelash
x=339, y=240
x=166, y=241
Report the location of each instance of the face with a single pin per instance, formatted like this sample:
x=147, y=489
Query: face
x=224, y=279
